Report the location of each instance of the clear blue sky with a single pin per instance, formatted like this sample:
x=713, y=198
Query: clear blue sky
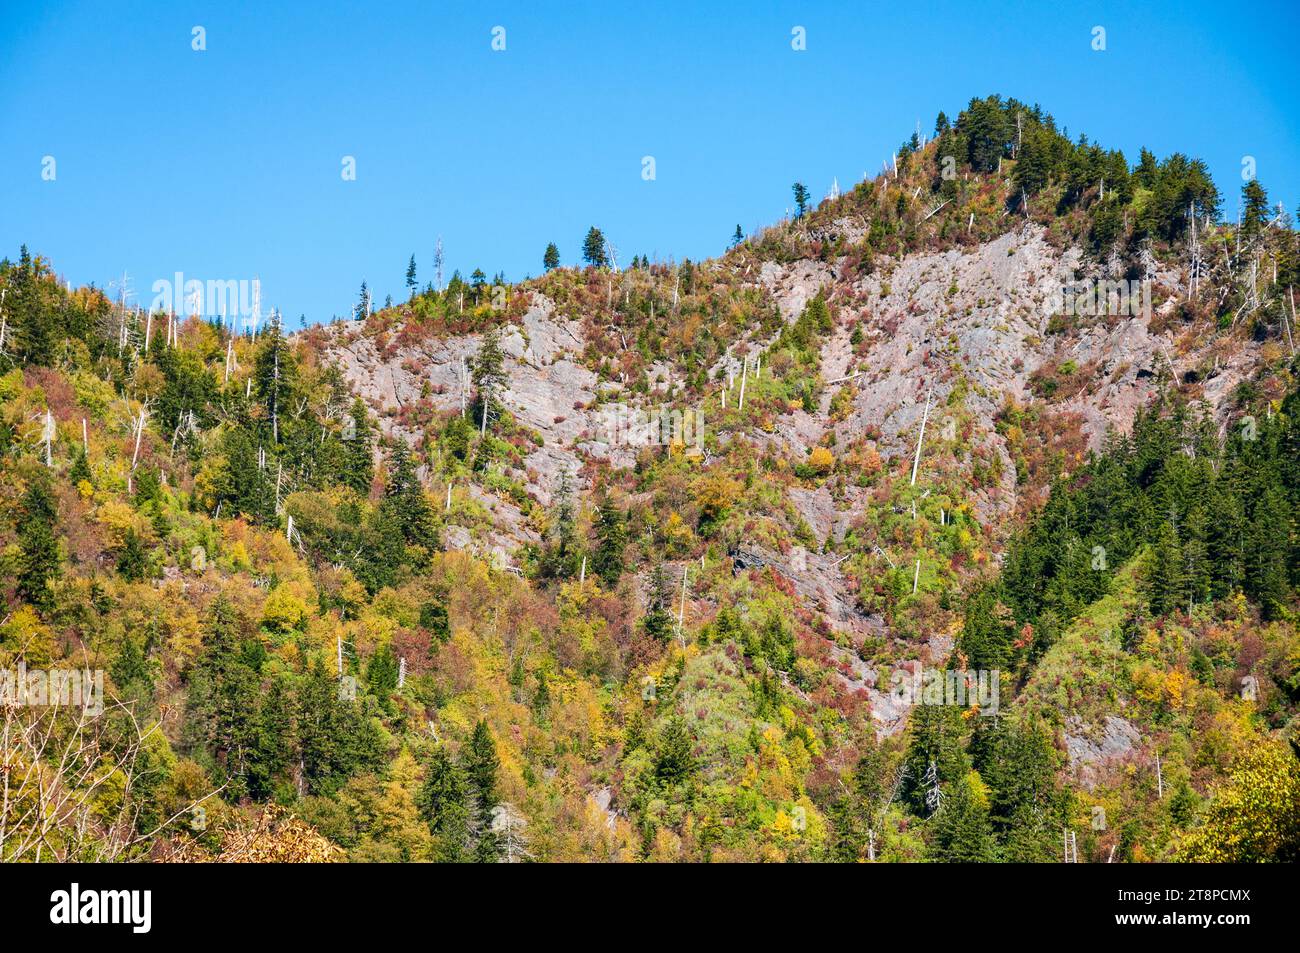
x=226, y=163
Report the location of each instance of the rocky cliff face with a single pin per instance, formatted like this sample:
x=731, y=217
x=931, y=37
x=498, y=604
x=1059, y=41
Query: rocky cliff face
x=926, y=324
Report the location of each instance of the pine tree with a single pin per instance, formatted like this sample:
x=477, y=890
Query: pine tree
x=411, y=283
x=359, y=460
x=130, y=671
x=222, y=697
x=738, y=237
x=674, y=762
x=488, y=367
x=275, y=375
x=962, y=833
x=132, y=562
x=443, y=803
x=405, y=502
x=38, y=564
x=274, y=739
x=1254, y=208
x=593, y=248
x=80, y=470
x=800, y=198
x=362, y=309
x=481, y=766
x=658, y=621
x=611, y=535
x=1167, y=576
x=434, y=620
x=382, y=672
x=935, y=747
x=551, y=258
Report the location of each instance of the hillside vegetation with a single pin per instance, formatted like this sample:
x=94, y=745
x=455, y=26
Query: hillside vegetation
x=396, y=589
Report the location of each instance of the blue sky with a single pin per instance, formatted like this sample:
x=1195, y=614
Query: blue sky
x=225, y=164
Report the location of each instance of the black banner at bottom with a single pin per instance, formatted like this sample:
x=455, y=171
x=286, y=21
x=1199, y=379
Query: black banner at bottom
x=140, y=904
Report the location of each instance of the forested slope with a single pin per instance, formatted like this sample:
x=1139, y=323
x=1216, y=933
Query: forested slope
x=403, y=588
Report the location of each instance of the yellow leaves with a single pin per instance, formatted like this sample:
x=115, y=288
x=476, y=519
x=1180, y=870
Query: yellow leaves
x=274, y=837
x=1168, y=690
x=92, y=392
x=284, y=614
x=237, y=554
x=678, y=537
x=716, y=493
x=1255, y=816
x=119, y=517
x=30, y=638
x=821, y=460
x=842, y=402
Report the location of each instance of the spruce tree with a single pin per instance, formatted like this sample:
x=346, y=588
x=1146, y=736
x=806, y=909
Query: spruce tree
x=800, y=198
x=488, y=366
x=405, y=502
x=593, y=248
x=611, y=535
x=359, y=460
x=38, y=564
x=551, y=258
x=962, y=833
x=481, y=766
x=443, y=804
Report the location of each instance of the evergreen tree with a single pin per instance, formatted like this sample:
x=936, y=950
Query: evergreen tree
x=481, y=766
x=443, y=803
x=336, y=740
x=593, y=248
x=80, y=469
x=490, y=377
x=1254, y=208
x=275, y=374
x=1167, y=583
x=362, y=309
x=130, y=671
x=38, y=564
x=935, y=751
x=611, y=535
x=962, y=833
x=737, y=237
x=674, y=762
x=359, y=459
x=273, y=739
x=411, y=283
x=132, y=562
x=988, y=129
x=433, y=618
x=382, y=672
x=800, y=199
x=405, y=502
x=658, y=620
x=222, y=697
x=551, y=257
